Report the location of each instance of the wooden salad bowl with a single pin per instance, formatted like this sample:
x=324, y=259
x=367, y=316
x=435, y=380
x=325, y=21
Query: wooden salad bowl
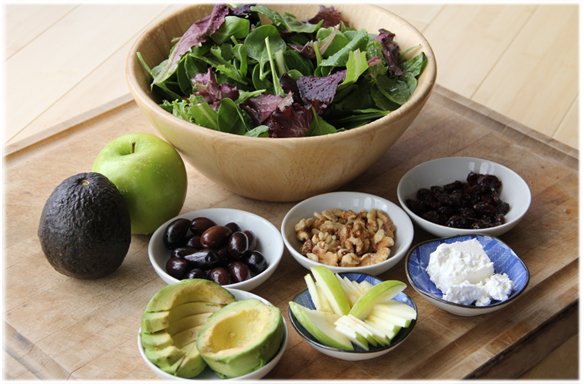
x=278, y=169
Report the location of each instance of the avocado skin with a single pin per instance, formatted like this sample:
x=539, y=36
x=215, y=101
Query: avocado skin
x=85, y=229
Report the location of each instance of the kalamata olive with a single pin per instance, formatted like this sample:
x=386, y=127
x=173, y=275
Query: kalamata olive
x=237, y=245
x=205, y=258
x=215, y=237
x=175, y=233
x=196, y=273
x=239, y=271
x=220, y=276
x=182, y=251
x=201, y=224
x=256, y=261
x=233, y=226
x=252, y=240
x=194, y=241
x=224, y=253
x=176, y=267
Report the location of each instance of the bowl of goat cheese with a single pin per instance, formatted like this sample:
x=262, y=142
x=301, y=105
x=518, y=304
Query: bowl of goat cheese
x=467, y=275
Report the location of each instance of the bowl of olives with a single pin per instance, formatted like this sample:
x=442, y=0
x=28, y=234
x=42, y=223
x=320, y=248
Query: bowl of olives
x=233, y=248
x=464, y=195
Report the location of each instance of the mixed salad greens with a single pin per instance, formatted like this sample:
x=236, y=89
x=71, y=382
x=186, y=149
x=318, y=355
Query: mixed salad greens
x=291, y=78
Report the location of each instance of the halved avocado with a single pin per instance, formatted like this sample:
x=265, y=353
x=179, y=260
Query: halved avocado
x=241, y=337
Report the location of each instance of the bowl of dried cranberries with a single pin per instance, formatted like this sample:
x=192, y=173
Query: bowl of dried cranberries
x=464, y=195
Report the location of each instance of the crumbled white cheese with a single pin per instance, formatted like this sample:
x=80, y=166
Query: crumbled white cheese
x=465, y=274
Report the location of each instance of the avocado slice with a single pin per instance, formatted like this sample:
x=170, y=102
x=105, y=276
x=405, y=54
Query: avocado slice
x=172, y=321
x=186, y=291
x=241, y=337
x=85, y=229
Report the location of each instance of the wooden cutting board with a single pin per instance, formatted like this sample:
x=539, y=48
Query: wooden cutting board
x=61, y=328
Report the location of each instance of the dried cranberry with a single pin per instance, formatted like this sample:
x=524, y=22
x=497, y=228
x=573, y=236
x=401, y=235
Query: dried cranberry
x=416, y=206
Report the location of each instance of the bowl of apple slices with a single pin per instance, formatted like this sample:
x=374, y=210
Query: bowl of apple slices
x=352, y=316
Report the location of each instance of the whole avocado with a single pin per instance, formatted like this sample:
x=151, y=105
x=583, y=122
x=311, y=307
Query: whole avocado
x=85, y=229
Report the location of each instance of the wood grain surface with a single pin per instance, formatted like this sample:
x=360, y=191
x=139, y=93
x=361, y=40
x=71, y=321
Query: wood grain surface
x=61, y=328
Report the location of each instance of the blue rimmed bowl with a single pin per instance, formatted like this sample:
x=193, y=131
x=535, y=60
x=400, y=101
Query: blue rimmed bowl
x=303, y=298
x=505, y=260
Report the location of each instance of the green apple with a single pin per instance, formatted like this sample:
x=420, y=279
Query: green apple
x=151, y=176
x=320, y=325
x=380, y=292
x=332, y=289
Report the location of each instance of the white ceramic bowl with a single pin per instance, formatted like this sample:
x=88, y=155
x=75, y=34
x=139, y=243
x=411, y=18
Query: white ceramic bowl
x=208, y=373
x=505, y=260
x=355, y=201
x=439, y=172
x=268, y=237
x=303, y=298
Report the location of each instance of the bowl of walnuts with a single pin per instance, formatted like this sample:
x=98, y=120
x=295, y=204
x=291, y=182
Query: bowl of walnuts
x=347, y=232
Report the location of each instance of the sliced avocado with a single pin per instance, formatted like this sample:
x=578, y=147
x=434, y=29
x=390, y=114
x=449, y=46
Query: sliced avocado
x=193, y=308
x=187, y=323
x=154, y=321
x=186, y=337
x=85, y=229
x=189, y=290
x=158, y=340
x=192, y=364
x=165, y=358
x=241, y=337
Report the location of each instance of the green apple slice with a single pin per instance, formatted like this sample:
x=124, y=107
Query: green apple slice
x=358, y=288
x=320, y=325
x=349, y=290
x=388, y=330
x=332, y=289
x=378, y=292
x=388, y=317
x=379, y=336
x=313, y=292
x=326, y=306
x=355, y=338
x=399, y=309
x=366, y=285
x=358, y=328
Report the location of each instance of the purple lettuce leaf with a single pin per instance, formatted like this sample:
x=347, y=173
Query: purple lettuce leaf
x=206, y=85
x=390, y=51
x=196, y=35
x=319, y=92
x=290, y=121
x=307, y=50
x=330, y=16
x=245, y=12
x=259, y=108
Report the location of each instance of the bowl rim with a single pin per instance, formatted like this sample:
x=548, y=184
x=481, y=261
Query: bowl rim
x=449, y=303
x=407, y=243
x=271, y=267
x=408, y=330
x=425, y=88
x=463, y=231
x=277, y=356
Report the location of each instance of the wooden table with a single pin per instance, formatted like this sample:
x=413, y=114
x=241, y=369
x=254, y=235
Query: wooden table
x=61, y=328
